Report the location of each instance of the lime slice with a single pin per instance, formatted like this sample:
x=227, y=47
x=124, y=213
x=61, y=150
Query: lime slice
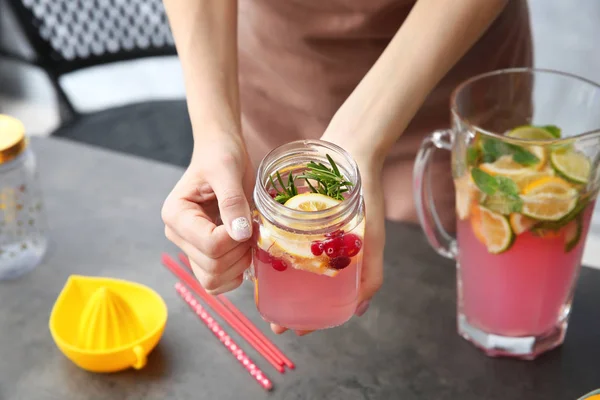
x=311, y=202
x=549, y=199
x=495, y=231
x=572, y=234
x=530, y=133
x=520, y=223
x=572, y=165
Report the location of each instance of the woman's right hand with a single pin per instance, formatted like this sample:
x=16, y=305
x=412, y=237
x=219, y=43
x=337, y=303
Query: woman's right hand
x=207, y=214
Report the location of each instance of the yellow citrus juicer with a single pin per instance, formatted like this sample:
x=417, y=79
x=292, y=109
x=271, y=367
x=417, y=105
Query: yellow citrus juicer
x=105, y=324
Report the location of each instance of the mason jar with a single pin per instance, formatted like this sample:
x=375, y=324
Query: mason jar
x=307, y=254
x=23, y=240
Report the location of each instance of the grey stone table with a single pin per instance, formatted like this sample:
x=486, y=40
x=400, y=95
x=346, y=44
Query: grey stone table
x=104, y=215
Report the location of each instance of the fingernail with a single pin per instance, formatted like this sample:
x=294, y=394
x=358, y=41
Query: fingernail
x=241, y=229
x=362, y=308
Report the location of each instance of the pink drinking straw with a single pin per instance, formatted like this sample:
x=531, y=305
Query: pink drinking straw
x=216, y=329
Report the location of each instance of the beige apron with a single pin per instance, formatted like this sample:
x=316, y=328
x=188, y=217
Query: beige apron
x=300, y=59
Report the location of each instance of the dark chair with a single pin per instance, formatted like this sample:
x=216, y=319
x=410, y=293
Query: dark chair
x=70, y=35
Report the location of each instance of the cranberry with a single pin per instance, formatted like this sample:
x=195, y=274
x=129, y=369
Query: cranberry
x=279, y=264
x=316, y=248
x=332, y=247
x=352, y=244
x=336, y=233
x=263, y=255
x=272, y=193
x=339, y=262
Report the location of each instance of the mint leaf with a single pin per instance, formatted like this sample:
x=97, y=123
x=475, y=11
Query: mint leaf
x=507, y=186
x=524, y=157
x=484, y=181
x=472, y=155
x=493, y=149
x=552, y=129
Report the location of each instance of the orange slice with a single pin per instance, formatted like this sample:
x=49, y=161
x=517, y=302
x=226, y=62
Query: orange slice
x=520, y=223
x=492, y=229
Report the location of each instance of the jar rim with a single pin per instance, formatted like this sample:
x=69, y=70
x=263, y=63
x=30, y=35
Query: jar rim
x=285, y=155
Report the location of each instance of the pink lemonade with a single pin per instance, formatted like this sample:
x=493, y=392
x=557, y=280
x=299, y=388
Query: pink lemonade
x=304, y=300
x=523, y=291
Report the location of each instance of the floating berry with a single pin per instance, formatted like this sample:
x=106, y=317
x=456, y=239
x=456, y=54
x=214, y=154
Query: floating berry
x=339, y=262
x=332, y=247
x=279, y=264
x=272, y=193
x=263, y=255
x=352, y=244
x=336, y=233
x=316, y=248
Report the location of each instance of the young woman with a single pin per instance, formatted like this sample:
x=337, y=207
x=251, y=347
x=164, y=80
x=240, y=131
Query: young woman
x=371, y=76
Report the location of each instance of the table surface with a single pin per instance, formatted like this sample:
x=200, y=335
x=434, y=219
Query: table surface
x=104, y=213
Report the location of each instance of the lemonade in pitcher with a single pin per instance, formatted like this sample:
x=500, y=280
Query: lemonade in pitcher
x=523, y=215
x=309, y=228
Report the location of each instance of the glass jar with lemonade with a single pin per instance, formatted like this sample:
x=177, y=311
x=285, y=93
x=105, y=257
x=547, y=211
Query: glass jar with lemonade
x=308, y=230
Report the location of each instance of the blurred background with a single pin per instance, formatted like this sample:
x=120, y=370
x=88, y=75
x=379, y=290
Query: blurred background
x=565, y=38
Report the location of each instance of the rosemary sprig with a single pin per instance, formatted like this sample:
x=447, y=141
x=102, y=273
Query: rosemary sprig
x=329, y=181
x=287, y=191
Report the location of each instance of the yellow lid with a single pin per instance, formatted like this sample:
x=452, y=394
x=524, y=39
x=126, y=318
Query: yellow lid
x=12, y=138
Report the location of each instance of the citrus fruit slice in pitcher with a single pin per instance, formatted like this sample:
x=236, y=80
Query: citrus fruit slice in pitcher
x=494, y=230
x=466, y=195
x=572, y=165
x=530, y=133
x=549, y=199
x=520, y=223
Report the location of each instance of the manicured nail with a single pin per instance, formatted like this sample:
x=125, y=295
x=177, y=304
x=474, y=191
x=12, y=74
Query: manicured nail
x=241, y=229
x=362, y=308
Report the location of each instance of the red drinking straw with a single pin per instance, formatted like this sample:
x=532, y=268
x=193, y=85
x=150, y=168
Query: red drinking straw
x=223, y=312
x=235, y=311
x=227, y=341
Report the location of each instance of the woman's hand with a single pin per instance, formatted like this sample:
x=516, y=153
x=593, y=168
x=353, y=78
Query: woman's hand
x=207, y=214
x=374, y=240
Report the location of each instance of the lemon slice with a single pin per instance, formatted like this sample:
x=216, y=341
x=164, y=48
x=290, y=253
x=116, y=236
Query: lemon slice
x=311, y=202
x=520, y=223
x=495, y=231
x=466, y=195
x=540, y=153
x=505, y=166
x=530, y=176
x=549, y=199
x=530, y=133
x=572, y=165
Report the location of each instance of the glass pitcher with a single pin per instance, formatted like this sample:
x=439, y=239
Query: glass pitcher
x=525, y=147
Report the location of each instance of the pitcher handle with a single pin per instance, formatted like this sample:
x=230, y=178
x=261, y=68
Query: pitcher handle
x=442, y=242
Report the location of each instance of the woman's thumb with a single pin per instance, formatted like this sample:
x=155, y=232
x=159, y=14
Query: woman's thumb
x=233, y=204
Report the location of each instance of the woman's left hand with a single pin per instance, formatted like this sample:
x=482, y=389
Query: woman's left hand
x=374, y=241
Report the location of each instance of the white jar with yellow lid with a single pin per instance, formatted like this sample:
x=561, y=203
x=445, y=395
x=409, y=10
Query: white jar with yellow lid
x=23, y=239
